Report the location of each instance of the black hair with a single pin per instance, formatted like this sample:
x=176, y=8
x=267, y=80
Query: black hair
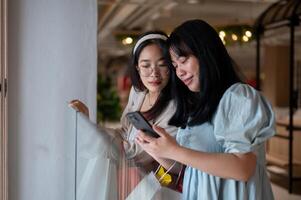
x=217, y=74
x=165, y=94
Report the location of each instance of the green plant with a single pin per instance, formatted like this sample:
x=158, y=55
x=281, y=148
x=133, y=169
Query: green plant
x=108, y=106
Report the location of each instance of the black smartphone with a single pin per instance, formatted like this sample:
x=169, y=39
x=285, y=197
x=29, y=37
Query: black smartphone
x=140, y=123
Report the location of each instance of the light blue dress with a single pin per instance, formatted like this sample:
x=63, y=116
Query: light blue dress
x=243, y=121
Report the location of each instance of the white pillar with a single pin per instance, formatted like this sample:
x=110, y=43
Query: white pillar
x=52, y=59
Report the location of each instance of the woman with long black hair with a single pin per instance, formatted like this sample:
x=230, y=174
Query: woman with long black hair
x=224, y=123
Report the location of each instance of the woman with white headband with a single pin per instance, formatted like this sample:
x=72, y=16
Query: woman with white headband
x=150, y=94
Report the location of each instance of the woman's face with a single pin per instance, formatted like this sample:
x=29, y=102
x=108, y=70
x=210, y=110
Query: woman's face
x=152, y=68
x=187, y=69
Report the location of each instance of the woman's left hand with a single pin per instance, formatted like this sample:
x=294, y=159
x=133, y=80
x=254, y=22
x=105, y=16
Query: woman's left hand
x=79, y=106
x=162, y=147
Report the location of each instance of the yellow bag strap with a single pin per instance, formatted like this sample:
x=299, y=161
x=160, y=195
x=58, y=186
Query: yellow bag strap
x=166, y=170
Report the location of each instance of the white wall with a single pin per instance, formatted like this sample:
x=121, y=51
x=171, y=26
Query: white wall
x=52, y=59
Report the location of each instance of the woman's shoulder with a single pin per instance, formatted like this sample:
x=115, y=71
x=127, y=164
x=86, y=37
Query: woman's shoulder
x=134, y=93
x=241, y=90
x=240, y=99
x=244, y=119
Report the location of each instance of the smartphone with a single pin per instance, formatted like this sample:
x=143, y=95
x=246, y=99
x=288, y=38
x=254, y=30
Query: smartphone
x=140, y=123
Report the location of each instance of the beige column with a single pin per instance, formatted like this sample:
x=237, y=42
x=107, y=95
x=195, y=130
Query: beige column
x=275, y=83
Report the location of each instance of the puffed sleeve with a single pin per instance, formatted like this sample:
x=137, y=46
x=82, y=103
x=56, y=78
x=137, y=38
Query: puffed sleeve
x=243, y=120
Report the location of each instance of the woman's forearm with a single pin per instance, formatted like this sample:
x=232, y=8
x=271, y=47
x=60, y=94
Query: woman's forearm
x=225, y=165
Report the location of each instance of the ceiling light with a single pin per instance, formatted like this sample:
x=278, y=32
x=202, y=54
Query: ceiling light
x=234, y=37
x=222, y=34
x=127, y=41
x=245, y=38
x=248, y=33
x=235, y=34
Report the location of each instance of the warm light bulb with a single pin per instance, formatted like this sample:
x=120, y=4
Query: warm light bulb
x=127, y=41
x=234, y=37
x=245, y=38
x=248, y=34
x=222, y=34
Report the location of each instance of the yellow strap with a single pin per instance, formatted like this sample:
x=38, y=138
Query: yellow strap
x=164, y=178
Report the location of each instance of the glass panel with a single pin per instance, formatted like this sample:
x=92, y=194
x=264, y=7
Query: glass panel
x=103, y=172
x=96, y=162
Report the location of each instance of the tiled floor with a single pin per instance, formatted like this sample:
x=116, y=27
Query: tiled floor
x=280, y=187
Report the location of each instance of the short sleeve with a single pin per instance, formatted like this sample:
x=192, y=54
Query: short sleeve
x=244, y=119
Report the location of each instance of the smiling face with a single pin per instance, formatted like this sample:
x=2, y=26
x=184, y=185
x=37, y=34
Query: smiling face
x=152, y=68
x=187, y=69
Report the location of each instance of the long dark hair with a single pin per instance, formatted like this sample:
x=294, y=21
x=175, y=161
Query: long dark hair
x=165, y=94
x=217, y=74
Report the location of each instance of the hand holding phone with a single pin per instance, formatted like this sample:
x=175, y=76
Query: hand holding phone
x=140, y=123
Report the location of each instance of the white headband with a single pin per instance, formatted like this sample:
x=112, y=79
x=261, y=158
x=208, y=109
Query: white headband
x=148, y=37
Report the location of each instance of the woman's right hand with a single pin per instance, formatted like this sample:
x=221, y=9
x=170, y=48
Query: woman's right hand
x=162, y=147
x=79, y=106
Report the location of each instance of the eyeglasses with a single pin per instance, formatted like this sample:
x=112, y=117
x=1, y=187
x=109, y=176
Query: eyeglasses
x=148, y=70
